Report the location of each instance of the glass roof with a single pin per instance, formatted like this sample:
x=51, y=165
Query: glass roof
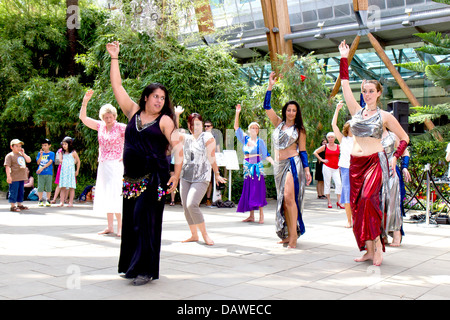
x=366, y=65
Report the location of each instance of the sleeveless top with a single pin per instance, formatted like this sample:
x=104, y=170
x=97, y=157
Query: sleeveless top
x=145, y=150
x=371, y=127
x=283, y=139
x=332, y=156
x=196, y=165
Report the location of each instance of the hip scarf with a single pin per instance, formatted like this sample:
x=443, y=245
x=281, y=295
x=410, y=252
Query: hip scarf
x=368, y=192
x=282, y=168
x=253, y=167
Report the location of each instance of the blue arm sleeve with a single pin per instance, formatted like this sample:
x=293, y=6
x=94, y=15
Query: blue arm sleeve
x=405, y=162
x=267, y=98
x=304, y=158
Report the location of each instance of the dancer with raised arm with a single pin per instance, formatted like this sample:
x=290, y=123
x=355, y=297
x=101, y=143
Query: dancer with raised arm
x=345, y=139
x=108, y=186
x=150, y=130
x=291, y=167
x=199, y=149
x=253, y=195
x=368, y=162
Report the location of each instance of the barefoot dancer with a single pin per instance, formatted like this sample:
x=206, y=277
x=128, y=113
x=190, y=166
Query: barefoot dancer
x=253, y=195
x=368, y=163
x=108, y=188
x=199, y=157
x=291, y=167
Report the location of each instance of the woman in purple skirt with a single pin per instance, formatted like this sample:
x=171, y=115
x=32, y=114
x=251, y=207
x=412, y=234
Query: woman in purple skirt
x=255, y=151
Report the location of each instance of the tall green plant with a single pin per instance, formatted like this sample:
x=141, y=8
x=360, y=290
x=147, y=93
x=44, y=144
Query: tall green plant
x=304, y=81
x=439, y=74
x=437, y=44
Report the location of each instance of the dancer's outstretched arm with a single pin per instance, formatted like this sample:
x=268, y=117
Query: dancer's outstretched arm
x=128, y=106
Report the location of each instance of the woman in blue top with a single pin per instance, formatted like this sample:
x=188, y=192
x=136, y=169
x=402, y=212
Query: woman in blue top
x=253, y=195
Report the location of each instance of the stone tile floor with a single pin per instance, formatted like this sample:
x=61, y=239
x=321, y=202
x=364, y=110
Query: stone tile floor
x=56, y=254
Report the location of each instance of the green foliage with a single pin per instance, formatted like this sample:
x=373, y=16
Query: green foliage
x=429, y=112
x=435, y=38
x=414, y=66
x=312, y=95
x=438, y=73
x=423, y=152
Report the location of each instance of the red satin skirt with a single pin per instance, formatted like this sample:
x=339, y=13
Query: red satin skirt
x=366, y=177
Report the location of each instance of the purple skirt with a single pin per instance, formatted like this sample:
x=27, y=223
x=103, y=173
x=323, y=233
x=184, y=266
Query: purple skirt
x=253, y=192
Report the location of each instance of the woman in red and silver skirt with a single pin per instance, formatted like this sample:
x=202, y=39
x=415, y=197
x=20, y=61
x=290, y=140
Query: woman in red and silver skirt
x=368, y=163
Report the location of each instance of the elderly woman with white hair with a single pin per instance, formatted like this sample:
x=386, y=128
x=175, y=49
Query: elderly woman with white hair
x=108, y=188
x=253, y=195
x=331, y=168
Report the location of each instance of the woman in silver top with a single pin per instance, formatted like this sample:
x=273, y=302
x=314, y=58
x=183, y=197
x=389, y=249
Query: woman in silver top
x=291, y=167
x=394, y=216
x=199, y=149
x=368, y=164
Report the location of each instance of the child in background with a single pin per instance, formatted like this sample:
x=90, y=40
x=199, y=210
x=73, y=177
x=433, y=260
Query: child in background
x=16, y=174
x=67, y=179
x=45, y=159
x=58, y=172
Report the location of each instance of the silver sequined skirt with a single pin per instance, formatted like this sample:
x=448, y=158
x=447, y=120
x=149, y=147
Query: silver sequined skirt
x=282, y=169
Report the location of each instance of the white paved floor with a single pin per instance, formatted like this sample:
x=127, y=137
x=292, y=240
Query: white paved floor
x=55, y=253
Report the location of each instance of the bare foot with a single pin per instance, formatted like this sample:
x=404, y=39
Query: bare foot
x=378, y=254
x=61, y=205
x=106, y=231
x=365, y=257
x=396, y=242
x=208, y=240
x=292, y=244
x=284, y=241
x=249, y=219
x=191, y=239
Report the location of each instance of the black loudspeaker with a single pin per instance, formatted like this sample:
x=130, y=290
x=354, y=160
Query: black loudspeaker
x=400, y=110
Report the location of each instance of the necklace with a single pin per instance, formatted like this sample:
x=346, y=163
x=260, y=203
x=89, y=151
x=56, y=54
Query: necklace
x=366, y=114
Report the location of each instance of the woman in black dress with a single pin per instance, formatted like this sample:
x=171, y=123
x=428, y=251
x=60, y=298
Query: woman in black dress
x=319, y=174
x=150, y=131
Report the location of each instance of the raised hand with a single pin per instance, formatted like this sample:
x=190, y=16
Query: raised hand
x=344, y=49
x=87, y=96
x=178, y=110
x=238, y=108
x=113, y=49
x=272, y=79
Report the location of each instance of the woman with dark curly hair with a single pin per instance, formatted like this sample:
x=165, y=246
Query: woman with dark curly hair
x=291, y=167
